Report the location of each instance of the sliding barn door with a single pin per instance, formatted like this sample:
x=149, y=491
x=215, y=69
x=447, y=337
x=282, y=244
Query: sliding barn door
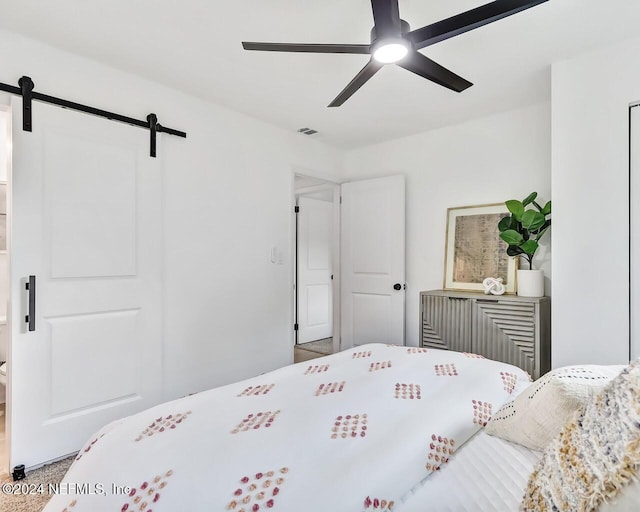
x=87, y=223
x=373, y=261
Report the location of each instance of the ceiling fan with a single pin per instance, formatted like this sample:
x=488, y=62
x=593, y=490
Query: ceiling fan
x=392, y=42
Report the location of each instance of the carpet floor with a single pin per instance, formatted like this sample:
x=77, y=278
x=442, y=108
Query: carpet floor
x=324, y=346
x=16, y=502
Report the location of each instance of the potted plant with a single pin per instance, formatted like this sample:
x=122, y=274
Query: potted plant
x=522, y=230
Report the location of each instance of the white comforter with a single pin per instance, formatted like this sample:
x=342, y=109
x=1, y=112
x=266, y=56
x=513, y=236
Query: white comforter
x=349, y=432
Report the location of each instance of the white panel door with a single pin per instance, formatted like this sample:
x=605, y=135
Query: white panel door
x=315, y=304
x=635, y=232
x=87, y=222
x=372, y=255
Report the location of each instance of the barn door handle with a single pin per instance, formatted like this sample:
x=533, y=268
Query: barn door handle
x=31, y=317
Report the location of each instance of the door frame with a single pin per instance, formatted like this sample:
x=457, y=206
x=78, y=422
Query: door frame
x=5, y=109
x=634, y=278
x=335, y=250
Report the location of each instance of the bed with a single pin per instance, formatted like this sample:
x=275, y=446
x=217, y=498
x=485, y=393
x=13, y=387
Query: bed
x=488, y=474
x=360, y=430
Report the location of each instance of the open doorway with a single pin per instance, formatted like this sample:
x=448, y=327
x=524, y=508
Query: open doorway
x=315, y=299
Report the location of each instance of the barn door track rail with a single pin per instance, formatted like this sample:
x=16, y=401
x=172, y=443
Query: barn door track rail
x=25, y=89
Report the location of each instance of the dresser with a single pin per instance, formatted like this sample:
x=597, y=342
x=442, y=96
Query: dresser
x=507, y=328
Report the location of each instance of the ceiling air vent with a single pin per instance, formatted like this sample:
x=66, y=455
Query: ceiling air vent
x=307, y=131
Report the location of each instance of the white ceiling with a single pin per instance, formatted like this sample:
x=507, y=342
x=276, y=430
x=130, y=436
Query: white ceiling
x=194, y=46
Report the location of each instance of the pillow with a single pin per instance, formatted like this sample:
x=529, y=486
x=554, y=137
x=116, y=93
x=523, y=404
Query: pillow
x=538, y=414
x=595, y=456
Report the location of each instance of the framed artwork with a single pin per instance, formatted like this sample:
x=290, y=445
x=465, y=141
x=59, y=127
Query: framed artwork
x=474, y=249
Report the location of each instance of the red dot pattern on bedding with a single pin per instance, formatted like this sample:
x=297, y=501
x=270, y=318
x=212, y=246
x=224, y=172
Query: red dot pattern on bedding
x=89, y=446
x=257, y=390
x=509, y=381
x=440, y=449
x=330, y=387
x=360, y=355
x=378, y=504
x=381, y=365
x=481, y=412
x=446, y=370
x=163, y=424
x=408, y=391
x=256, y=421
x=70, y=506
x=317, y=369
x=350, y=426
x=143, y=497
x=258, y=492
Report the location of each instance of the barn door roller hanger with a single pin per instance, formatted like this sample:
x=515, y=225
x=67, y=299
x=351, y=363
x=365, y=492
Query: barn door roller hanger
x=25, y=89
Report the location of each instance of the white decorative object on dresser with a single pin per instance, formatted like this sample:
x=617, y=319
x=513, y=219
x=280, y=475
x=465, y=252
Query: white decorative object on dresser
x=507, y=328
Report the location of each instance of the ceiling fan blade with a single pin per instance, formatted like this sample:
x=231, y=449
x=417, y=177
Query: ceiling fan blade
x=425, y=67
x=386, y=18
x=468, y=20
x=307, y=48
x=360, y=79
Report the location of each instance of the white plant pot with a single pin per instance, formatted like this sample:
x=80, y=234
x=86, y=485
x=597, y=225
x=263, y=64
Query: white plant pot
x=530, y=283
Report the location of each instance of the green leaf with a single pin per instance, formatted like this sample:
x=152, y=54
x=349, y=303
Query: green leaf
x=530, y=247
x=547, y=208
x=542, y=229
x=507, y=223
x=529, y=199
x=516, y=208
x=514, y=250
x=532, y=220
x=512, y=237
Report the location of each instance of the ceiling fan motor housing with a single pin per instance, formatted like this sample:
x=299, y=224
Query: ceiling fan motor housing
x=404, y=29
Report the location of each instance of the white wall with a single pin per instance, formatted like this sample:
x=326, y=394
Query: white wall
x=488, y=160
x=590, y=161
x=4, y=144
x=4, y=270
x=228, y=199
x=4, y=273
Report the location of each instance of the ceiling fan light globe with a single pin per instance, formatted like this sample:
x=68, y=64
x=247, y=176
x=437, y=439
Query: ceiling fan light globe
x=390, y=52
